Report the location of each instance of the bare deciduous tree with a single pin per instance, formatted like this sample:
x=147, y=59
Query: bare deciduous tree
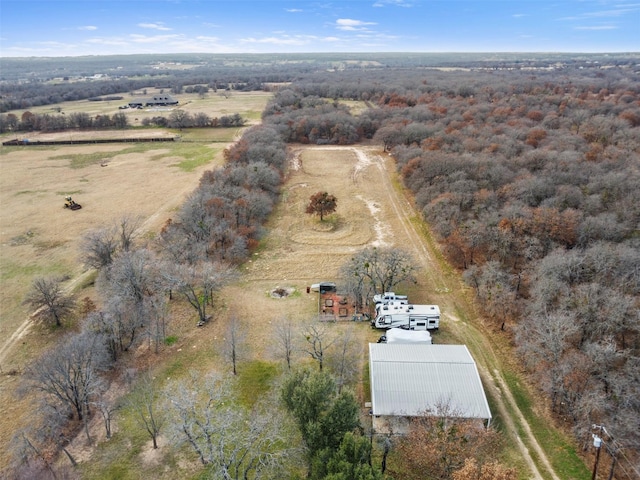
x=143, y=402
x=197, y=283
x=378, y=270
x=544, y=342
x=69, y=373
x=233, y=342
x=48, y=296
x=107, y=409
x=35, y=447
x=439, y=443
x=284, y=340
x=235, y=444
x=472, y=470
x=157, y=322
x=98, y=247
x=128, y=228
x=344, y=361
x=319, y=339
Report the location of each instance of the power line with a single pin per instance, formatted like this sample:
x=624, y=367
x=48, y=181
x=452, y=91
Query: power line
x=630, y=465
x=615, y=452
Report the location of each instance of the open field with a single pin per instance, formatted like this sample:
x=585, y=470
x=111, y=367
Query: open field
x=38, y=237
x=248, y=104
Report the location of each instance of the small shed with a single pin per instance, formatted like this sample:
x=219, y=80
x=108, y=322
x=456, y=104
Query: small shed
x=410, y=380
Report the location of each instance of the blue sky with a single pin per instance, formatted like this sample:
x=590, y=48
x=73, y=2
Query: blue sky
x=98, y=27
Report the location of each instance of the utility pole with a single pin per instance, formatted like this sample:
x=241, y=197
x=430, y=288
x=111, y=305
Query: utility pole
x=610, y=445
x=597, y=442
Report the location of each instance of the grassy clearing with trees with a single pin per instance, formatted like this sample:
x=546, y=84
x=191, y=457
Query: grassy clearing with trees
x=41, y=239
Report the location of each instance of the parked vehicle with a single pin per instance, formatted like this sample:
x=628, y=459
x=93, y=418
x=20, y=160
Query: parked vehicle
x=400, y=335
x=387, y=296
x=411, y=317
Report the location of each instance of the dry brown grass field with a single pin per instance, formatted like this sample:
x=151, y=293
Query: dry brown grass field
x=38, y=237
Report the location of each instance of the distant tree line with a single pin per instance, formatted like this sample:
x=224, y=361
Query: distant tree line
x=34, y=122
x=108, y=98
x=182, y=119
x=28, y=83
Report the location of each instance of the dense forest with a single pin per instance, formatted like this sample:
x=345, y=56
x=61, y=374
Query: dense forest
x=528, y=177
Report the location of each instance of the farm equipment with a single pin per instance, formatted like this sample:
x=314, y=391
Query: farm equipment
x=71, y=204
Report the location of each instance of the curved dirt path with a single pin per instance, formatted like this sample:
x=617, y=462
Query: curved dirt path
x=442, y=284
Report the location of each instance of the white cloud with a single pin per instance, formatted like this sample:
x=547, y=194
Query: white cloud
x=154, y=26
x=518, y=15
x=397, y=3
x=597, y=27
x=293, y=10
x=620, y=11
x=284, y=40
x=153, y=39
x=611, y=13
x=120, y=42
x=290, y=40
x=88, y=27
x=203, y=38
x=351, y=25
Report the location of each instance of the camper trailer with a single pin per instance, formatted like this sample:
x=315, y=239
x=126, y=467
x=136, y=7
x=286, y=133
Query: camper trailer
x=387, y=296
x=411, y=317
x=391, y=306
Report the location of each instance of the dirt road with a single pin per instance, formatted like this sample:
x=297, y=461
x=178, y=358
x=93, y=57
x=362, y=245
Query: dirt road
x=442, y=288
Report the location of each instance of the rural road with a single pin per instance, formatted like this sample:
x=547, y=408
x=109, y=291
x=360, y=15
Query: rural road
x=443, y=285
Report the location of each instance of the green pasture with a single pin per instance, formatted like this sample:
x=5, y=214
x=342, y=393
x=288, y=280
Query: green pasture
x=194, y=155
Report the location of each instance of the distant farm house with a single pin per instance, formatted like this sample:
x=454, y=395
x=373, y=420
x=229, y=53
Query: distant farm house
x=160, y=100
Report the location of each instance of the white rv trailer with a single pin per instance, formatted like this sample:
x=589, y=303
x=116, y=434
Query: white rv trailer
x=387, y=296
x=411, y=317
x=391, y=306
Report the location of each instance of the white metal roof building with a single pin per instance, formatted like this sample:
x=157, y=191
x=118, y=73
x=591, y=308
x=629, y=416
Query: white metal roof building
x=409, y=380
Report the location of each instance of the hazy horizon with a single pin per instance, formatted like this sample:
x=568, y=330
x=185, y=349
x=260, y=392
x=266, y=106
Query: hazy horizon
x=36, y=28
